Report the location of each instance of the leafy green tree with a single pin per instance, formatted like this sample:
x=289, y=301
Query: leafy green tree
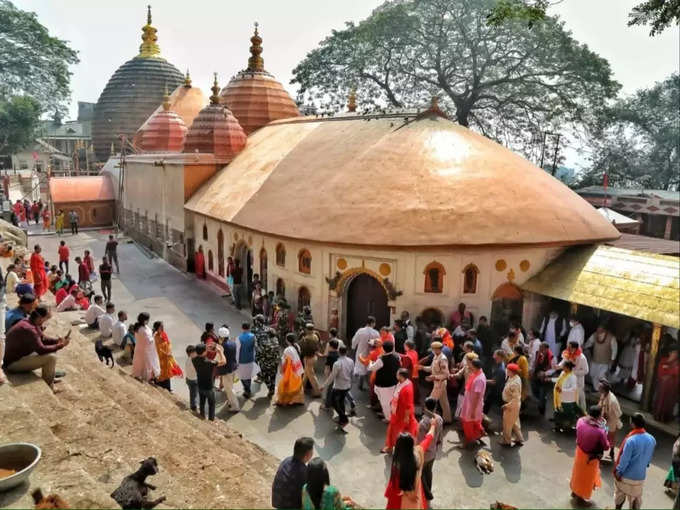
x=638, y=143
x=19, y=117
x=507, y=81
x=660, y=14
x=32, y=62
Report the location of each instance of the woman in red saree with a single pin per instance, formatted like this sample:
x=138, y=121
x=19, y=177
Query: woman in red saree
x=402, y=418
x=199, y=263
x=38, y=271
x=46, y=219
x=405, y=488
x=471, y=414
x=667, y=384
x=169, y=367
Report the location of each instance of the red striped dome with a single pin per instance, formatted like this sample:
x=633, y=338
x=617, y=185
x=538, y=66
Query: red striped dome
x=215, y=131
x=165, y=131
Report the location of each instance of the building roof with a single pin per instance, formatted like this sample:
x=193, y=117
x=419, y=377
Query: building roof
x=215, y=130
x=382, y=181
x=254, y=96
x=632, y=283
x=617, y=218
x=186, y=101
x=627, y=192
x=132, y=94
x=646, y=243
x=71, y=129
x=96, y=188
x=164, y=131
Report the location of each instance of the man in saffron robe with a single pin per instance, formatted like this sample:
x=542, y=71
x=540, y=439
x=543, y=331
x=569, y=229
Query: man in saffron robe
x=38, y=269
x=402, y=418
x=471, y=414
x=591, y=443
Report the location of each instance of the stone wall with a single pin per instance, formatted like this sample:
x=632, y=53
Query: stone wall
x=164, y=241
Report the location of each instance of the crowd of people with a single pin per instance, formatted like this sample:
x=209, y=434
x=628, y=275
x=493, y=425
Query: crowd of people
x=419, y=378
x=24, y=212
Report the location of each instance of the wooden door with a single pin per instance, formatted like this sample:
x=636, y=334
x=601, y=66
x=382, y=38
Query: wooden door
x=365, y=297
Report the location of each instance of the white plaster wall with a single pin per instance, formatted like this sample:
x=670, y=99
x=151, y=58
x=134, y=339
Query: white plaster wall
x=156, y=189
x=406, y=269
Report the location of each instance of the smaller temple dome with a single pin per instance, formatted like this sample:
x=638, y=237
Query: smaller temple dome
x=215, y=130
x=164, y=131
x=254, y=96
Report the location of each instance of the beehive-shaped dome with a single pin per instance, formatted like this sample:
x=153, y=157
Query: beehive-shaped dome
x=254, y=96
x=132, y=94
x=164, y=131
x=215, y=130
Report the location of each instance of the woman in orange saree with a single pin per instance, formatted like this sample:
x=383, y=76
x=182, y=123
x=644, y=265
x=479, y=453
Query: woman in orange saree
x=289, y=389
x=169, y=367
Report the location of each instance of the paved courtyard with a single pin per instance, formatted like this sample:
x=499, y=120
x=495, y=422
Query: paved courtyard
x=534, y=476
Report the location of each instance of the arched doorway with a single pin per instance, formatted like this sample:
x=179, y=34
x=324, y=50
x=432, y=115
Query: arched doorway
x=245, y=257
x=506, y=305
x=304, y=298
x=365, y=296
x=263, y=268
x=220, y=252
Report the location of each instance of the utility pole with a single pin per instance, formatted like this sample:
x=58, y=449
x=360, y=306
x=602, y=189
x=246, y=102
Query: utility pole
x=543, y=148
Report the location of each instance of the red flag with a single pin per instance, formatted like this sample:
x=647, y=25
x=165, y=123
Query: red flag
x=35, y=155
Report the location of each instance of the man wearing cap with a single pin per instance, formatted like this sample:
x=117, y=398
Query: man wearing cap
x=309, y=347
x=439, y=370
x=512, y=396
x=27, y=303
x=611, y=412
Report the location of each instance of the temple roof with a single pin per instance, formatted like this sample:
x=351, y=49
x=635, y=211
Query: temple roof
x=254, y=96
x=215, y=130
x=164, y=131
x=132, y=94
x=394, y=180
x=95, y=188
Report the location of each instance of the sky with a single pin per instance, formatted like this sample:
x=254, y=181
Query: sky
x=209, y=36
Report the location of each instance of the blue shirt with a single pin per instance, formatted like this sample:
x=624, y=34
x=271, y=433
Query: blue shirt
x=13, y=316
x=247, y=351
x=636, y=456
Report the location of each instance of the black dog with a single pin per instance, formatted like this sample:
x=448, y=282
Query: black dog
x=133, y=490
x=103, y=352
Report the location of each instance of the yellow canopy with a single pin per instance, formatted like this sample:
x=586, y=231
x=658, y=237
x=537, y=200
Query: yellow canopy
x=633, y=283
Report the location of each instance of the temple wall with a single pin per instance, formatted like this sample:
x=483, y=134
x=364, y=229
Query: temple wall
x=403, y=268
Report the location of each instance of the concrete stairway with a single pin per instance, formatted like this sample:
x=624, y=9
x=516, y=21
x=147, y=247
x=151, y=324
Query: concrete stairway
x=101, y=423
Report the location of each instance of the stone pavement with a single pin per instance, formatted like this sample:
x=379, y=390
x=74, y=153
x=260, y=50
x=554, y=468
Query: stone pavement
x=534, y=476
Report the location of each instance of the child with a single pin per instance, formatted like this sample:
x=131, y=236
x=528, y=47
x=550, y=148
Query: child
x=331, y=356
x=204, y=379
x=190, y=376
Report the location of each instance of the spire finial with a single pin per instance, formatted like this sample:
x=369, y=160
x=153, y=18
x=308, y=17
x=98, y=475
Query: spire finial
x=187, y=79
x=166, y=99
x=352, y=103
x=149, y=48
x=215, y=98
x=255, y=62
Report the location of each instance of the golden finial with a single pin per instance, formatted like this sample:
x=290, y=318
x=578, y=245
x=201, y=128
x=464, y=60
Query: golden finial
x=215, y=98
x=255, y=62
x=187, y=80
x=352, y=103
x=149, y=48
x=166, y=99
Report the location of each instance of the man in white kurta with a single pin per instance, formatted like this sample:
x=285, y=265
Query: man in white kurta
x=553, y=330
x=604, y=351
x=576, y=333
x=360, y=344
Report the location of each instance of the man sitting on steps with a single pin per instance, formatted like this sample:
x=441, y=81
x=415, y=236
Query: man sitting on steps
x=26, y=348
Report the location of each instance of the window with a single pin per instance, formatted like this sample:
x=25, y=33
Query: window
x=210, y=260
x=280, y=287
x=220, y=252
x=470, y=279
x=304, y=298
x=263, y=268
x=434, y=278
x=305, y=261
x=280, y=255
x=205, y=232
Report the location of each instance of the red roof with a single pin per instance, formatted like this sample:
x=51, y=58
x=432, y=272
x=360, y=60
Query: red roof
x=97, y=188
